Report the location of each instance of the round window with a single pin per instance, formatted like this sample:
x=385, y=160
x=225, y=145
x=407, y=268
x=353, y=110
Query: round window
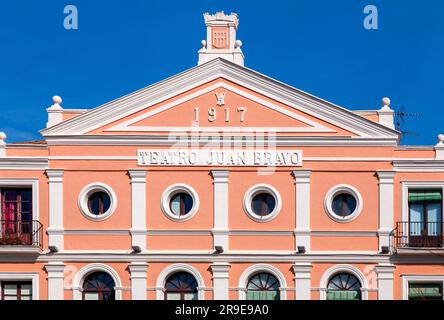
x=262, y=203
x=343, y=203
x=180, y=202
x=97, y=201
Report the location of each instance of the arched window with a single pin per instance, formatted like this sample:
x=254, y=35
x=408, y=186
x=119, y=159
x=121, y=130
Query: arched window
x=263, y=286
x=344, y=286
x=181, y=286
x=99, y=286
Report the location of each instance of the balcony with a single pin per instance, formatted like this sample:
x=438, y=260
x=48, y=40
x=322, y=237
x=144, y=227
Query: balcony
x=419, y=235
x=21, y=236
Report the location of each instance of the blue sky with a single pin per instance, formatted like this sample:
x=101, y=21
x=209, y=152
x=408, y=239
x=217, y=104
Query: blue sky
x=319, y=46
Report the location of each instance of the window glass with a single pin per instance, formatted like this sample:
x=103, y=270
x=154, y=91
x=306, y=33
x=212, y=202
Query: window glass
x=263, y=286
x=181, y=286
x=99, y=286
x=263, y=204
x=99, y=202
x=181, y=204
x=344, y=204
x=425, y=291
x=344, y=286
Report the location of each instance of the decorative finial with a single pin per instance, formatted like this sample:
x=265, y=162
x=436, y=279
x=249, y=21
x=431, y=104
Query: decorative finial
x=2, y=144
x=441, y=138
x=386, y=102
x=204, y=44
x=238, y=44
x=57, y=100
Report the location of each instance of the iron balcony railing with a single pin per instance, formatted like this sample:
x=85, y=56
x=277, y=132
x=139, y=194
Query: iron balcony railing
x=419, y=234
x=21, y=233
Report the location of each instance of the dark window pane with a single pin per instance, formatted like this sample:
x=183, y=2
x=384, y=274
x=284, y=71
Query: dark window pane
x=99, y=203
x=181, y=204
x=344, y=286
x=263, y=204
x=263, y=286
x=99, y=286
x=425, y=291
x=344, y=204
x=181, y=286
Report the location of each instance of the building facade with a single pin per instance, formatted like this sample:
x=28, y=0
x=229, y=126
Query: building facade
x=220, y=183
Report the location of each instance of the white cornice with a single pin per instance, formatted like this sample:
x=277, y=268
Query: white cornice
x=23, y=163
x=204, y=140
x=419, y=165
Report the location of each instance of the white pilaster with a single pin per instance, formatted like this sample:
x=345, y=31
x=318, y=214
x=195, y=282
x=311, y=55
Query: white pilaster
x=138, y=208
x=302, y=191
x=138, y=271
x=55, y=276
x=55, y=228
x=386, y=207
x=220, y=194
x=221, y=278
x=302, y=280
x=385, y=273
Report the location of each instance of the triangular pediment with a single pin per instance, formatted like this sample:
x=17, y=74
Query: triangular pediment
x=192, y=101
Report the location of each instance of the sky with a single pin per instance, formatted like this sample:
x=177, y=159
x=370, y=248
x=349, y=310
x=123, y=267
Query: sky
x=318, y=46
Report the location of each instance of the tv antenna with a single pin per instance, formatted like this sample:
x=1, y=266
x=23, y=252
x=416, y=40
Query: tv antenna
x=401, y=116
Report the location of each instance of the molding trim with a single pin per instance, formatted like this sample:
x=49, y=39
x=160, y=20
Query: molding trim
x=23, y=163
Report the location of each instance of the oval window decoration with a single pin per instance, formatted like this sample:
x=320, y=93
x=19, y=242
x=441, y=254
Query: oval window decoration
x=97, y=201
x=343, y=203
x=262, y=203
x=180, y=202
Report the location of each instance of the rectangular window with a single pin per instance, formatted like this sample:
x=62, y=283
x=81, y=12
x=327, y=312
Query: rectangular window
x=425, y=218
x=16, y=216
x=16, y=290
x=425, y=291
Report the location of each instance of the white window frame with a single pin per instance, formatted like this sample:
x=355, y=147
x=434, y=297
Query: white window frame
x=338, y=189
x=173, y=190
x=80, y=276
x=89, y=190
x=262, y=188
x=406, y=279
x=179, y=267
x=20, y=183
x=18, y=276
x=343, y=268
